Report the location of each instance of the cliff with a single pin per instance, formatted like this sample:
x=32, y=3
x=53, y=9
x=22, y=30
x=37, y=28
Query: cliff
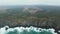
x=31, y=16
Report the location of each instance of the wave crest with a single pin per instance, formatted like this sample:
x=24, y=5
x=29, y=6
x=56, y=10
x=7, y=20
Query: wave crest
x=26, y=30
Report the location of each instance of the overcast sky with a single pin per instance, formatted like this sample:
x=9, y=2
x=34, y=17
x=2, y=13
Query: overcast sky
x=29, y=2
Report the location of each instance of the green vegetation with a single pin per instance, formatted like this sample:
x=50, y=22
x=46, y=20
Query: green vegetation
x=20, y=16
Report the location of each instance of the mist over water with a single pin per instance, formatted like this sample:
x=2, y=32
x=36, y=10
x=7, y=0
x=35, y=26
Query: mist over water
x=26, y=30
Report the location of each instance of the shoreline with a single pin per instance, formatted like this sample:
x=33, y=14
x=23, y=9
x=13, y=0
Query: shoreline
x=56, y=30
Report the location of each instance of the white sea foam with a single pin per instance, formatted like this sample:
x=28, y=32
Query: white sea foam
x=26, y=30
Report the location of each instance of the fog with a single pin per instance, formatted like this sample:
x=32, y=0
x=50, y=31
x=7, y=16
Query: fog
x=30, y=2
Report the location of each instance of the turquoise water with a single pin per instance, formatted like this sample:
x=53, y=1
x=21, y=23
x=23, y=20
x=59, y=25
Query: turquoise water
x=27, y=30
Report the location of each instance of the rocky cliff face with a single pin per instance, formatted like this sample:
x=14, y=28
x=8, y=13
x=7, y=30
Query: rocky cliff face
x=30, y=17
x=32, y=21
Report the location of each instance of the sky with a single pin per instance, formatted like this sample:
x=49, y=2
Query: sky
x=29, y=2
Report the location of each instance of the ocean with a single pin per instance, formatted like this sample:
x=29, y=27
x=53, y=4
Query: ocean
x=26, y=30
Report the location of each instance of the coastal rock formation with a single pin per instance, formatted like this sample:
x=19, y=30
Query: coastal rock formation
x=30, y=17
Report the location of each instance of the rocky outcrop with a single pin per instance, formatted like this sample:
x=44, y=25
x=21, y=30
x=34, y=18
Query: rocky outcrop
x=44, y=18
x=32, y=21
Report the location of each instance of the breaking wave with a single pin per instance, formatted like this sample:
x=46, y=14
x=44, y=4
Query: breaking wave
x=26, y=30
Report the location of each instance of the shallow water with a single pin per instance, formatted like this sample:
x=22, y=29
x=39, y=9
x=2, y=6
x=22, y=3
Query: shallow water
x=27, y=30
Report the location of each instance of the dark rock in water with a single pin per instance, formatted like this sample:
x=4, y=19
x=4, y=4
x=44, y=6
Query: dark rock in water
x=6, y=27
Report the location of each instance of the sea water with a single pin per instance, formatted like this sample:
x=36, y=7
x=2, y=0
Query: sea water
x=26, y=30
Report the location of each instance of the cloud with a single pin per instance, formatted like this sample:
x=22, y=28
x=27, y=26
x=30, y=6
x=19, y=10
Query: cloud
x=29, y=2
